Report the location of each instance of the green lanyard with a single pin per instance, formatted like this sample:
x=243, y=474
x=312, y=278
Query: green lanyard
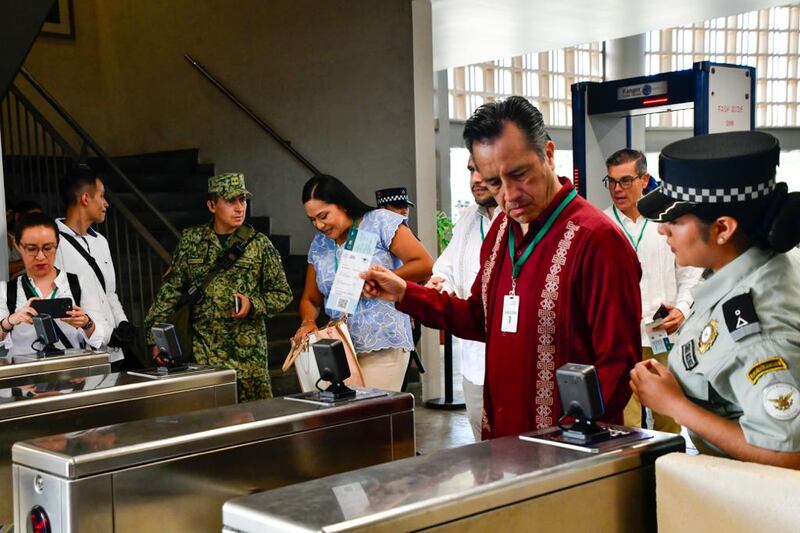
x=348, y=243
x=517, y=265
x=630, y=237
x=34, y=290
x=482, y=234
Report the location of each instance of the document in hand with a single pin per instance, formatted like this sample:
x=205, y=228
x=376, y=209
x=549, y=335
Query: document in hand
x=347, y=284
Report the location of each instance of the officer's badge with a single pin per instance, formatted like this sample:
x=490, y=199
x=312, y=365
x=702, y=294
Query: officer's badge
x=761, y=368
x=687, y=355
x=781, y=401
x=708, y=336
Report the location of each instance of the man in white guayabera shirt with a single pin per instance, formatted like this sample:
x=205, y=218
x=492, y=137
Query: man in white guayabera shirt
x=454, y=272
x=663, y=283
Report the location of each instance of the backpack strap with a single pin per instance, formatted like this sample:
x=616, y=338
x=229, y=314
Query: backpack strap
x=89, y=259
x=11, y=295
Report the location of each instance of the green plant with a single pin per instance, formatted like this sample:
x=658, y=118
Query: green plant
x=444, y=230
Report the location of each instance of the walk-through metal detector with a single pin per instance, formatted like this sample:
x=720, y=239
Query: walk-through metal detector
x=723, y=98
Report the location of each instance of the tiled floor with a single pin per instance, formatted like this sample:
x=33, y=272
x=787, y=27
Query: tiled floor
x=441, y=429
x=438, y=429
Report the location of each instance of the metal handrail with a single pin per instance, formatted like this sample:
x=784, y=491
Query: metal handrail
x=250, y=113
x=44, y=122
x=143, y=232
x=37, y=157
x=86, y=138
x=115, y=202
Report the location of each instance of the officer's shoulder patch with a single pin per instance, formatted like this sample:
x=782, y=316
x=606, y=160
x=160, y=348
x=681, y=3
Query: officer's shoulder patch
x=765, y=366
x=781, y=401
x=740, y=316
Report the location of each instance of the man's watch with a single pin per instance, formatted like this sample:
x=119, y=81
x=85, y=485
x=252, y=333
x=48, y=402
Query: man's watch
x=88, y=325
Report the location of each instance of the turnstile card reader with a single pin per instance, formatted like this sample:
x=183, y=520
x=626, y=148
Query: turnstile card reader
x=505, y=484
x=57, y=406
x=173, y=473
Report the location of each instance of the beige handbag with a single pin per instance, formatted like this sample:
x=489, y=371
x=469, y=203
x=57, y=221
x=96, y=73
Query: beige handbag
x=302, y=357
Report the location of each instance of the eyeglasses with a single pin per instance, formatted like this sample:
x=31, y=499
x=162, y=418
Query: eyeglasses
x=625, y=182
x=33, y=250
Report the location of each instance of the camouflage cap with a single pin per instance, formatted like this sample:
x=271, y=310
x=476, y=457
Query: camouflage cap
x=228, y=185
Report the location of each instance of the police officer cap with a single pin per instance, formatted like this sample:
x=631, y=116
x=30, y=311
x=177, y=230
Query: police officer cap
x=228, y=185
x=393, y=195
x=720, y=168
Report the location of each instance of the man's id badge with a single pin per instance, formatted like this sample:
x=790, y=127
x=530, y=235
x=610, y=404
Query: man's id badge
x=510, y=313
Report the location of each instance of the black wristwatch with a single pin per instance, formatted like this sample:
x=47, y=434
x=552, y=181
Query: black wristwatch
x=88, y=325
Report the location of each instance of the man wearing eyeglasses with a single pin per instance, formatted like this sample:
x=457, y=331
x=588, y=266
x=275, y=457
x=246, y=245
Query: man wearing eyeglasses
x=663, y=283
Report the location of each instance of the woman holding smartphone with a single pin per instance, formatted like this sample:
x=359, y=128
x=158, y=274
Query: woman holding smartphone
x=84, y=326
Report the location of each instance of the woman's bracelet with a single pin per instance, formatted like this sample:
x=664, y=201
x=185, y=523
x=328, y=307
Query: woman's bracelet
x=10, y=325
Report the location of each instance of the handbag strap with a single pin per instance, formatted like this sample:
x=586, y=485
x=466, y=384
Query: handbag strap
x=89, y=259
x=294, y=353
x=345, y=338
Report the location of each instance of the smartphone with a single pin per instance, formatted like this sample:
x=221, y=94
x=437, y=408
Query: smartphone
x=237, y=304
x=662, y=312
x=55, y=307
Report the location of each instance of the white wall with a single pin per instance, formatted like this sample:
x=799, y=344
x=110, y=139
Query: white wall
x=335, y=78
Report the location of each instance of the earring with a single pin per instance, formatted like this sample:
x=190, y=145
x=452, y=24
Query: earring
x=720, y=241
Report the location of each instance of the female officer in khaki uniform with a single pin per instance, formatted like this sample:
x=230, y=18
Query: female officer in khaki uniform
x=734, y=374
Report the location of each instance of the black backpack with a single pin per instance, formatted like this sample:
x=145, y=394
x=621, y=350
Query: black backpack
x=11, y=292
x=11, y=300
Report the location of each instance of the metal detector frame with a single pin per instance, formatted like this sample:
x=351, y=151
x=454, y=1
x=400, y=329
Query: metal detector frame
x=623, y=99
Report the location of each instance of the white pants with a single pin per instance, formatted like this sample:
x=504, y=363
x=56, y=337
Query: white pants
x=384, y=369
x=473, y=398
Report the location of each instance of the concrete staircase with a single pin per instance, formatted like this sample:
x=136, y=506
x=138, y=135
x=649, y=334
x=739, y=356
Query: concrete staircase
x=176, y=183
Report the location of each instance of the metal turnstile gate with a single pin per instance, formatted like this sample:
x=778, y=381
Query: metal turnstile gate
x=173, y=473
x=55, y=406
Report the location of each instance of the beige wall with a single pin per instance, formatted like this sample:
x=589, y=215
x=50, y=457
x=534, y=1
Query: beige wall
x=334, y=77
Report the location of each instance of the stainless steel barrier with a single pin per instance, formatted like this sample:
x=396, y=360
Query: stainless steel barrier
x=502, y=485
x=55, y=406
x=21, y=369
x=174, y=473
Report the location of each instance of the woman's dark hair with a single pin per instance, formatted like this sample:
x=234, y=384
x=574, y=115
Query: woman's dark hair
x=332, y=191
x=771, y=223
x=26, y=206
x=31, y=220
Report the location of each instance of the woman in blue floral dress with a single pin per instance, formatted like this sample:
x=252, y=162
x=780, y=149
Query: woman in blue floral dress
x=381, y=334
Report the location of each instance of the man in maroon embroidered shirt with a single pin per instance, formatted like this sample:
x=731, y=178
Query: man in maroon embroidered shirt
x=558, y=284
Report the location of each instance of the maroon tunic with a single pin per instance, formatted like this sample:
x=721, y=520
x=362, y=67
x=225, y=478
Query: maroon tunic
x=579, y=303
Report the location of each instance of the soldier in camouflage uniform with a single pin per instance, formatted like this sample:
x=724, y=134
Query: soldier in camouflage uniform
x=222, y=337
